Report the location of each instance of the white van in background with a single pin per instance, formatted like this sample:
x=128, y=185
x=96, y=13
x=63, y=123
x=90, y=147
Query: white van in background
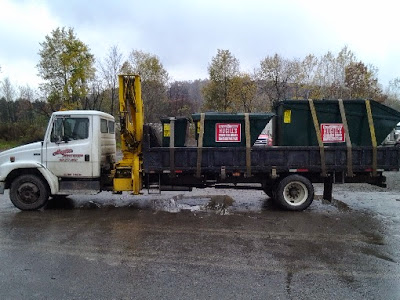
x=393, y=139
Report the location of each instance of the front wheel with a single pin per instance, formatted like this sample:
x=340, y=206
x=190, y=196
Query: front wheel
x=29, y=192
x=294, y=192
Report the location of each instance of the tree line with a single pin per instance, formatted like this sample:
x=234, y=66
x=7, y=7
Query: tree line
x=74, y=79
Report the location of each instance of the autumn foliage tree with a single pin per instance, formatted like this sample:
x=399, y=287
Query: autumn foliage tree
x=243, y=90
x=66, y=65
x=222, y=69
x=277, y=73
x=154, y=82
x=361, y=81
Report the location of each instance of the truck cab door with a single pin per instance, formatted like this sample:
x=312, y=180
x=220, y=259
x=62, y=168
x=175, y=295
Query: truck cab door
x=68, y=147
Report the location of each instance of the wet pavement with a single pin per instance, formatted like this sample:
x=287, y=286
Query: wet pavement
x=214, y=244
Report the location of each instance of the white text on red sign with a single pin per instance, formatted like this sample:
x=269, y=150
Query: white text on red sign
x=332, y=133
x=228, y=132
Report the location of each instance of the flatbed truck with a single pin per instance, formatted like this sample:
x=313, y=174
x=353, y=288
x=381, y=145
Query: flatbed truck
x=78, y=155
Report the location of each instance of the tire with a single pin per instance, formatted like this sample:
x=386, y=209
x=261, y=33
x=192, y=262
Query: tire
x=29, y=192
x=294, y=193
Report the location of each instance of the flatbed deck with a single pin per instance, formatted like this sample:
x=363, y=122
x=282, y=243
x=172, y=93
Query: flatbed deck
x=264, y=159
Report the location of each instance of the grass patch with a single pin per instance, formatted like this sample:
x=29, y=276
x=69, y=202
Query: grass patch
x=4, y=145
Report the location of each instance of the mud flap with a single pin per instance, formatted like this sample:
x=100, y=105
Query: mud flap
x=328, y=187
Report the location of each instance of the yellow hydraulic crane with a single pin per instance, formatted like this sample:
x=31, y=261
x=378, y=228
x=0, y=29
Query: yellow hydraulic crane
x=128, y=171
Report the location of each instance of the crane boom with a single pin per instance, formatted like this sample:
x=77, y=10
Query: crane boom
x=128, y=170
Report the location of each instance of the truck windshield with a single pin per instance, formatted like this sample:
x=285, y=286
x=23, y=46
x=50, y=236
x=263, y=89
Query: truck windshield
x=67, y=129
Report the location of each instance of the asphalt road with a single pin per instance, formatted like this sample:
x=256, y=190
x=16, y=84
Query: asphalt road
x=208, y=244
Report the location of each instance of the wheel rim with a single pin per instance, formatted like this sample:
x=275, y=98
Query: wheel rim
x=28, y=193
x=295, y=193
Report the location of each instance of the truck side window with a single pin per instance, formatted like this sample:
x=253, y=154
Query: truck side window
x=111, y=127
x=67, y=129
x=80, y=128
x=107, y=126
x=57, y=132
x=103, y=126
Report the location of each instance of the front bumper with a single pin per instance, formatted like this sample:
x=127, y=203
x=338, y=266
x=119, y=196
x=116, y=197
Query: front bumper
x=2, y=186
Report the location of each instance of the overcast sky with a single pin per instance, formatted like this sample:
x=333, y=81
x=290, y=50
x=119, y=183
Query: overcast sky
x=185, y=34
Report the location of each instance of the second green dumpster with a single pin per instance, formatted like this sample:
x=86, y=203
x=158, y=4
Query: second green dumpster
x=228, y=130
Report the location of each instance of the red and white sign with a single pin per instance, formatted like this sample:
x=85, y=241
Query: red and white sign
x=332, y=133
x=228, y=132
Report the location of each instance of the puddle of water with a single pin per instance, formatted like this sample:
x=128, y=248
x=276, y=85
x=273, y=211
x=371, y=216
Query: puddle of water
x=220, y=204
x=174, y=205
x=216, y=203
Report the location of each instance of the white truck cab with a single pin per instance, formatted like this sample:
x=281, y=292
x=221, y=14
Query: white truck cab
x=76, y=156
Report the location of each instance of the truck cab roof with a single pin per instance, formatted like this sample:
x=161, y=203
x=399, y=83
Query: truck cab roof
x=83, y=112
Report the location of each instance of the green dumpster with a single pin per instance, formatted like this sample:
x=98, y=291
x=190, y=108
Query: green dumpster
x=228, y=130
x=294, y=123
x=180, y=126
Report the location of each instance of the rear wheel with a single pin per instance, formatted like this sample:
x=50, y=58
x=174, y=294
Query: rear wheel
x=294, y=192
x=29, y=192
